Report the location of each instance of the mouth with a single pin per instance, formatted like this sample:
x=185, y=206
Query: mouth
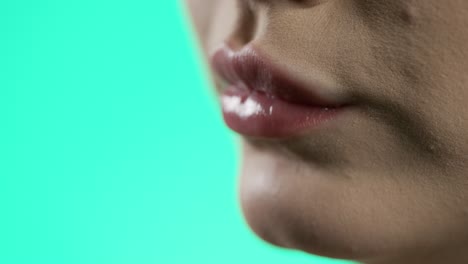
x=261, y=100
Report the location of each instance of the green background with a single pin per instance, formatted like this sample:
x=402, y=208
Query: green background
x=112, y=148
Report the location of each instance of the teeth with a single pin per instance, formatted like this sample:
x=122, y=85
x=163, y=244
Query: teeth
x=243, y=108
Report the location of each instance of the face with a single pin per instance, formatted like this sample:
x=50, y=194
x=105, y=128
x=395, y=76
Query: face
x=365, y=155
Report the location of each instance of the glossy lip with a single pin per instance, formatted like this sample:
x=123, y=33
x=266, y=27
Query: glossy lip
x=262, y=100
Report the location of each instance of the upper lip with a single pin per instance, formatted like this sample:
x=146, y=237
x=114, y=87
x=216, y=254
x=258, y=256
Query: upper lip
x=248, y=68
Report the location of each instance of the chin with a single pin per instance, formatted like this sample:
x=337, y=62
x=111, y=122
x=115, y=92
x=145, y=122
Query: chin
x=320, y=212
x=287, y=208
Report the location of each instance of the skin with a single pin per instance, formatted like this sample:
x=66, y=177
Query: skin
x=388, y=183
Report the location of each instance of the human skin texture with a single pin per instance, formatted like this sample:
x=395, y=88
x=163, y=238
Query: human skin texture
x=387, y=182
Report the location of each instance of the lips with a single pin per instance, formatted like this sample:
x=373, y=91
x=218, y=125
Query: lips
x=262, y=100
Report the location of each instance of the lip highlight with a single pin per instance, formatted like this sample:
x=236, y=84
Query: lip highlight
x=261, y=100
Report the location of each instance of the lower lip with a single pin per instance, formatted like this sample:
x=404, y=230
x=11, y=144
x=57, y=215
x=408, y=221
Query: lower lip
x=256, y=114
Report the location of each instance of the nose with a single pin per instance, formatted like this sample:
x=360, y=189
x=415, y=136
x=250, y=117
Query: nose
x=305, y=3
x=249, y=13
x=246, y=23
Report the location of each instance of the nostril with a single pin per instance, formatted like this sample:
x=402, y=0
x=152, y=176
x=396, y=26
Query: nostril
x=245, y=26
x=308, y=3
x=252, y=16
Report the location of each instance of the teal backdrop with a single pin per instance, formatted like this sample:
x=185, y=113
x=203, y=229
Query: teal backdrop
x=112, y=149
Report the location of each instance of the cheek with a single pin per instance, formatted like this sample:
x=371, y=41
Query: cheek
x=409, y=64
